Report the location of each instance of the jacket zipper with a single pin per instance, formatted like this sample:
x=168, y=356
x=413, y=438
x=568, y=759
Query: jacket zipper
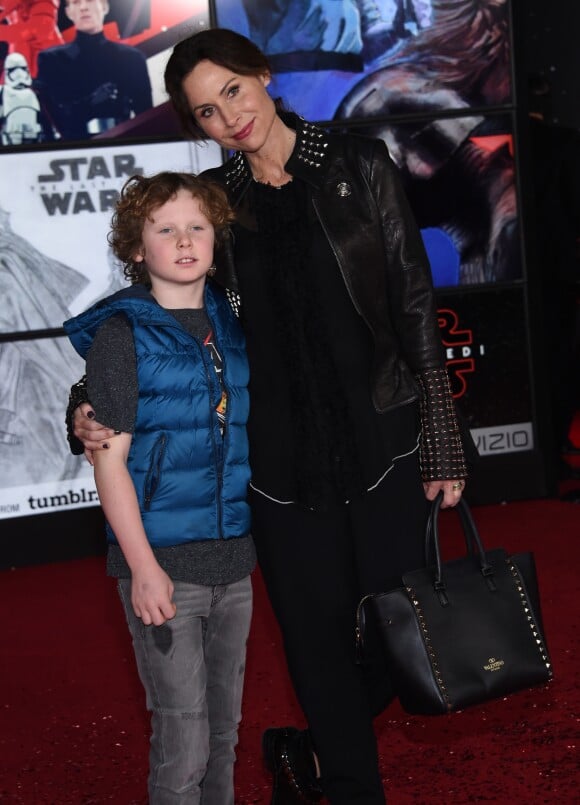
x=154, y=473
x=212, y=415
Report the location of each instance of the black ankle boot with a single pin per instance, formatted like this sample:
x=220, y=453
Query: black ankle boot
x=288, y=757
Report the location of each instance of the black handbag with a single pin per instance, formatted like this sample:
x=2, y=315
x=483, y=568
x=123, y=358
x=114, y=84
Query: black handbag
x=464, y=631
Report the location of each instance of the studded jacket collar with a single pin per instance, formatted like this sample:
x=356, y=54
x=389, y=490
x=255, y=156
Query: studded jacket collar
x=307, y=160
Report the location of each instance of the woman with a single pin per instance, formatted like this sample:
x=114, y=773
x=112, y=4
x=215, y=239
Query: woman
x=352, y=427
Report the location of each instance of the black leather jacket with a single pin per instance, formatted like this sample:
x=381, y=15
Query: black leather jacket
x=359, y=201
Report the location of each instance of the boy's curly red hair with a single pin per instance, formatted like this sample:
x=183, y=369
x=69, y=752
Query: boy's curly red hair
x=142, y=195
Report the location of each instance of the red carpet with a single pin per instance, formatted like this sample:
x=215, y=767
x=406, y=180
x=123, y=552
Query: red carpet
x=73, y=726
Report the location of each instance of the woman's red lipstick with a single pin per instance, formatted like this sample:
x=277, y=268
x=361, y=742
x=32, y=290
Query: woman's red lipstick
x=243, y=133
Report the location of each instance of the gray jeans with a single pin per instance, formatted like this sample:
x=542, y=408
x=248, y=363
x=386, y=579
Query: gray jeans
x=192, y=669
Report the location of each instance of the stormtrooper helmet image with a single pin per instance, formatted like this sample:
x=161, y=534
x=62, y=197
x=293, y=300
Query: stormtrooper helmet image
x=19, y=106
x=16, y=72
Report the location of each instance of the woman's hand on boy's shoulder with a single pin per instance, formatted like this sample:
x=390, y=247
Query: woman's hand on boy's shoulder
x=91, y=433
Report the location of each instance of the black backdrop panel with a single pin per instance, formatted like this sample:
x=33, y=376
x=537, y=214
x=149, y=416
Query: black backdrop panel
x=486, y=340
x=484, y=334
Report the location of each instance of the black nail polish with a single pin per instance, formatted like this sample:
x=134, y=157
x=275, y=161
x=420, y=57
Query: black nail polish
x=105, y=446
x=91, y=414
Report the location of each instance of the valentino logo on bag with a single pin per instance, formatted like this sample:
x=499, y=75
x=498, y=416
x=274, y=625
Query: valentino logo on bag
x=494, y=665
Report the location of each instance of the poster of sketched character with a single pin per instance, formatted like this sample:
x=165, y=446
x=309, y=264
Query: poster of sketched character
x=77, y=69
x=55, y=211
x=346, y=59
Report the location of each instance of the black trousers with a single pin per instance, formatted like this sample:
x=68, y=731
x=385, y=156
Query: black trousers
x=316, y=567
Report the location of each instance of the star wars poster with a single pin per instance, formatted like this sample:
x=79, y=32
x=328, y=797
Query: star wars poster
x=484, y=334
x=459, y=174
x=357, y=59
x=426, y=76
x=55, y=209
x=72, y=70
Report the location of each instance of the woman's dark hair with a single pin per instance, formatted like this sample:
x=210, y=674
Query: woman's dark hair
x=142, y=195
x=222, y=47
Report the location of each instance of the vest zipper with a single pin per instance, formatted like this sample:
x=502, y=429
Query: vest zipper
x=212, y=413
x=154, y=472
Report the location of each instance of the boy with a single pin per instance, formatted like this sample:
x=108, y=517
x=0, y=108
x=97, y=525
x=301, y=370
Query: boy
x=167, y=369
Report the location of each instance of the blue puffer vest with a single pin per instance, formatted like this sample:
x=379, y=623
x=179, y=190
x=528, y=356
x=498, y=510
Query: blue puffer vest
x=191, y=484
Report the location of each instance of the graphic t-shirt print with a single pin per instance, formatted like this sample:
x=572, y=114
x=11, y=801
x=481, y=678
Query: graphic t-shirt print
x=221, y=407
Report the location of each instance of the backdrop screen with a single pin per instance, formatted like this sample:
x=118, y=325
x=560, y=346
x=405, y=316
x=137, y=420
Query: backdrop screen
x=337, y=59
x=69, y=74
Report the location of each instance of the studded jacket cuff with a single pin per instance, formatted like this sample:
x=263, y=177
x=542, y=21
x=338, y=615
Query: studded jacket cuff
x=441, y=449
x=78, y=394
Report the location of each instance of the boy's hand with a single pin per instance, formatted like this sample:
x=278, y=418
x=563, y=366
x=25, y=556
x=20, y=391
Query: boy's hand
x=151, y=594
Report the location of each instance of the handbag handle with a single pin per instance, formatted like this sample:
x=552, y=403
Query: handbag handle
x=360, y=629
x=467, y=524
x=474, y=548
x=472, y=541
